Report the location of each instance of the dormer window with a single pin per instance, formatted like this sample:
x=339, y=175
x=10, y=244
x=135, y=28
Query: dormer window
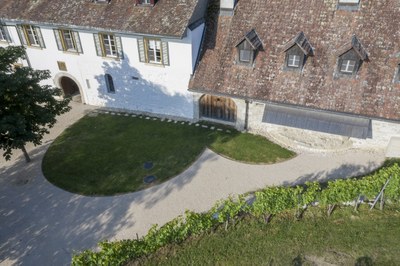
x=293, y=60
x=102, y=1
x=246, y=52
x=350, y=5
x=351, y=57
x=397, y=76
x=248, y=47
x=146, y=2
x=348, y=66
x=297, y=51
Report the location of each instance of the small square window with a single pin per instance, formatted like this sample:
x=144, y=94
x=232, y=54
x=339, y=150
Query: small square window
x=293, y=61
x=348, y=66
x=62, y=66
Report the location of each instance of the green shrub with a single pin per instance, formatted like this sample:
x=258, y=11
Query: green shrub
x=267, y=202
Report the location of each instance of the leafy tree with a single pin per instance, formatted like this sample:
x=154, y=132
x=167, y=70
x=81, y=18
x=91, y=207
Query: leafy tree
x=27, y=108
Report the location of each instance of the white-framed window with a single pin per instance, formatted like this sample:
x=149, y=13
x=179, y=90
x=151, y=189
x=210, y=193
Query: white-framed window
x=145, y=2
x=293, y=60
x=349, y=2
x=348, y=66
x=68, y=40
x=30, y=35
x=108, y=45
x=153, y=51
x=351, y=5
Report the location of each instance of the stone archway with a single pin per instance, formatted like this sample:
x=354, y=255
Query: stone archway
x=70, y=88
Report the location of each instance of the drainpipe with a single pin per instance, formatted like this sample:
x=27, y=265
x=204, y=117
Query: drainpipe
x=246, y=118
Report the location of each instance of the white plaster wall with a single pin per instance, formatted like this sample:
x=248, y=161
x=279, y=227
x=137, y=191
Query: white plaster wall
x=159, y=89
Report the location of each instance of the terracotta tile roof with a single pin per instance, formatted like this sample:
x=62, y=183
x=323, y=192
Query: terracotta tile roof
x=167, y=17
x=371, y=92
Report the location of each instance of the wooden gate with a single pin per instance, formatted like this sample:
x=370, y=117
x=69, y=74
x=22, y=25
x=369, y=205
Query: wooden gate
x=218, y=108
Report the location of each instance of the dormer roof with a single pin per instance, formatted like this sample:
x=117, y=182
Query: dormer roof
x=252, y=38
x=356, y=45
x=301, y=40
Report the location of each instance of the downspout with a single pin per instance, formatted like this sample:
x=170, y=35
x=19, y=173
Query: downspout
x=246, y=118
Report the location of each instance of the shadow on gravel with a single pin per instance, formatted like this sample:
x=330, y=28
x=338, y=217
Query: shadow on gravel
x=344, y=171
x=42, y=224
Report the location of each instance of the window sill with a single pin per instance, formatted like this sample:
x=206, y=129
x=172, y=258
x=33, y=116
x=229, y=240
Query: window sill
x=70, y=52
x=155, y=64
x=111, y=58
x=35, y=47
x=242, y=64
x=339, y=75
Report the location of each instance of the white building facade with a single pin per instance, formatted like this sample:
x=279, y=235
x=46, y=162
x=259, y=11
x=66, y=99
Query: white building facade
x=111, y=68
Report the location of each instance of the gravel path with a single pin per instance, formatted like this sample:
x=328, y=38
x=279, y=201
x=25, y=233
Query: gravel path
x=42, y=225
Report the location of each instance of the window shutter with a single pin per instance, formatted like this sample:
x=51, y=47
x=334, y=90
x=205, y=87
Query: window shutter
x=97, y=44
x=8, y=37
x=142, y=56
x=39, y=34
x=119, y=47
x=77, y=42
x=164, y=46
x=58, y=40
x=21, y=35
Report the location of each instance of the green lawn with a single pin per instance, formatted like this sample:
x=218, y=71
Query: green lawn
x=105, y=155
x=345, y=238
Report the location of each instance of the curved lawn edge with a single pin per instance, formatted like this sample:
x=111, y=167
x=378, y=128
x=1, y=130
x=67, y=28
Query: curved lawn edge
x=105, y=155
x=252, y=163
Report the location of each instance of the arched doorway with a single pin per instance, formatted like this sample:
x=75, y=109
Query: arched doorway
x=70, y=88
x=220, y=108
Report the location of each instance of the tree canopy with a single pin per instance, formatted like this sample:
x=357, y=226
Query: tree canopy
x=27, y=108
